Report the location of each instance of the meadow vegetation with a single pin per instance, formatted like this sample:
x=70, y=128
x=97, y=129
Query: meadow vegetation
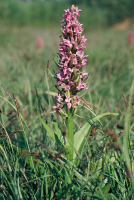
x=32, y=165
x=47, y=13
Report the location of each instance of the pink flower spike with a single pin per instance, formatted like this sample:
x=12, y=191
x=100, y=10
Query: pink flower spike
x=39, y=42
x=71, y=60
x=130, y=37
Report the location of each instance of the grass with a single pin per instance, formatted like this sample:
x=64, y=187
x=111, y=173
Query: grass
x=47, y=13
x=37, y=168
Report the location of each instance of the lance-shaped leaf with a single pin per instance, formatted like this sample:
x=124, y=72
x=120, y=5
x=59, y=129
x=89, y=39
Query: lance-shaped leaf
x=63, y=113
x=58, y=131
x=53, y=135
x=49, y=130
x=80, y=137
x=126, y=135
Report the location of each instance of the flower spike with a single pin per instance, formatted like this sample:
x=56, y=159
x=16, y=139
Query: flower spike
x=70, y=78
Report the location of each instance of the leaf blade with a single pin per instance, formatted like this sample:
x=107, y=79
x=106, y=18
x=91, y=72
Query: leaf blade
x=81, y=135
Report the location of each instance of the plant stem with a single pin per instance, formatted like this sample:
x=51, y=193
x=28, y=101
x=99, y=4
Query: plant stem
x=70, y=130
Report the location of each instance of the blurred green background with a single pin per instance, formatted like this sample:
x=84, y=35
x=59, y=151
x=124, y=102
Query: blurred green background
x=47, y=13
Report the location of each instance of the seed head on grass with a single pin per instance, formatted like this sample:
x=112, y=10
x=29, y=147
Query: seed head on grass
x=71, y=77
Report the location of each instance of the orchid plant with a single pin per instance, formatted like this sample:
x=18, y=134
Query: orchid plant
x=71, y=79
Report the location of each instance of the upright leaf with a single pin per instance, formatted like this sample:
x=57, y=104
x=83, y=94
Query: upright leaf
x=49, y=130
x=80, y=137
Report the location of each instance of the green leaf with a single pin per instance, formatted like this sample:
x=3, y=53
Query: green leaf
x=29, y=158
x=8, y=181
x=78, y=79
x=61, y=87
x=39, y=166
x=126, y=135
x=57, y=137
x=106, y=188
x=51, y=93
x=80, y=137
x=75, y=74
x=63, y=113
x=49, y=130
x=58, y=131
x=59, y=141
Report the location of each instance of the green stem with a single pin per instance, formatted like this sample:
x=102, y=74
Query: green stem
x=70, y=131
